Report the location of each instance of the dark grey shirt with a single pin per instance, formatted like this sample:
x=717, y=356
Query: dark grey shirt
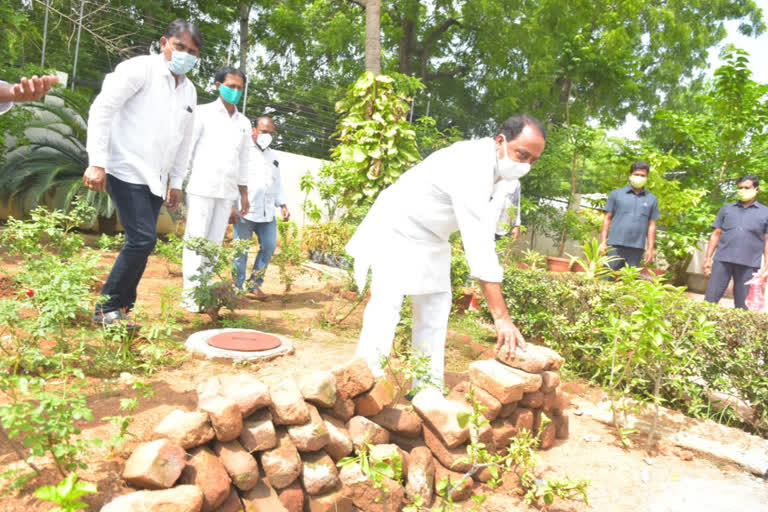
x=631, y=214
x=743, y=238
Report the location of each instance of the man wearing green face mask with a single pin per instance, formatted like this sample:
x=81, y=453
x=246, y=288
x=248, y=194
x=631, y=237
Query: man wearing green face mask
x=740, y=235
x=630, y=219
x=218, y=170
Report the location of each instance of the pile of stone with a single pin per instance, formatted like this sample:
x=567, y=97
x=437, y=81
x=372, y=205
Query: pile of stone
x=257, y=448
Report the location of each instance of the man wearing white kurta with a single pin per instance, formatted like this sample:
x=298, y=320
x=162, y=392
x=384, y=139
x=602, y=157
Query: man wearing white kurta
x=139, y=129
x=219, y=172
x=404, y=241
x=265, y=192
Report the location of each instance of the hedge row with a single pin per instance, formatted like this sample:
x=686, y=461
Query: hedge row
x=570, y=313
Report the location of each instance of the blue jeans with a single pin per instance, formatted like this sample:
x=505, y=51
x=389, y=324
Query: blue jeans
x=138, y=209
x=266, y=232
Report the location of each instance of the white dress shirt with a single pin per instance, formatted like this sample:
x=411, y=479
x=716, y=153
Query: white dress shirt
x=140, y=124
x=265, y=191
x=405, y=234
x=5, y=106
x=219, y=152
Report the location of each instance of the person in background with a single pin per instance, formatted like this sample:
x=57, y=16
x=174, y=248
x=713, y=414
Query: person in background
x=629, y=225
x=404, y=241
x=740, y=234
x=139, y=133
x=503, y=226
x=265, y=193
x=28, y=89
x=219, y=172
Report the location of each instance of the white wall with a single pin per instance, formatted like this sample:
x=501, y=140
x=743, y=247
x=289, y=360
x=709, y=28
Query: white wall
x=292, y=168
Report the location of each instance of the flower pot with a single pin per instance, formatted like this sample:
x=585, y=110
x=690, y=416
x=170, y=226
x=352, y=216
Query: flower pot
x=466, y=299
x=652, y=271
x=522, y=265
x=577, y=267
x=555, y=264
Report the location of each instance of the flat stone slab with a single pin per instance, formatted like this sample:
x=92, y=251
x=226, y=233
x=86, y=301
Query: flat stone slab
x=199, y=342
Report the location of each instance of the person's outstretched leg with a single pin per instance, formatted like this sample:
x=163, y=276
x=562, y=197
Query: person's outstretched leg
x=138, y=209
x=430, y=324
x=718, y=281
x=267, y=235
x=379, y=323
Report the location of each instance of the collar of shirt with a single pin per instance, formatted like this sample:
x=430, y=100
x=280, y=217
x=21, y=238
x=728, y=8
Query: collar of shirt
x=753, y=205
x=222, y=109
x=628, y=188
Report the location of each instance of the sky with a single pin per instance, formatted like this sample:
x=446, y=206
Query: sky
x=758, y=56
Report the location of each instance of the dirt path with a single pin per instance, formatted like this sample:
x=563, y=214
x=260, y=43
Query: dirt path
x=621, y=480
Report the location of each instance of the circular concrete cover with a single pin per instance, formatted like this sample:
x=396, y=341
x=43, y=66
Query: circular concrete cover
x=244, y=341
x=200, y=342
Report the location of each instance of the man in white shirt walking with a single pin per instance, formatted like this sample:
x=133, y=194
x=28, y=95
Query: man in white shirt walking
x=404, y=241
x=219, y=171
x=139, y=131
x=265, y=193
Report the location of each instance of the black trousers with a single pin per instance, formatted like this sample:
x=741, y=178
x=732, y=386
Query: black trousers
x=722, y=272
x=631, y=256
x=138, y=209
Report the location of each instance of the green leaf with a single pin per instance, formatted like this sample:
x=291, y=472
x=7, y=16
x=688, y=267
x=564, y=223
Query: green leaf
x=463, y=419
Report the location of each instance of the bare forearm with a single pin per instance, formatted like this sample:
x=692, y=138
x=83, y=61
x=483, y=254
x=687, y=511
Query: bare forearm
x=651, y=236
x=495, y=300
x=714, y=238
x=606, y=228
x=6, y=93
x=243, y=191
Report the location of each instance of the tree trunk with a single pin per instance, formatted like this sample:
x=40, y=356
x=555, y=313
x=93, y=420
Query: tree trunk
x=373, y=36
x=245, y=11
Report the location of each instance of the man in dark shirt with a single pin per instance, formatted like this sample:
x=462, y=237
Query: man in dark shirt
x=740, y=234
x=630, y=218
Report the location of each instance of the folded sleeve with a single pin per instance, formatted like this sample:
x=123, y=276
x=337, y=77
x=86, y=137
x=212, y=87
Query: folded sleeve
x=119, y=86
x=610, y=204
x=720, y=219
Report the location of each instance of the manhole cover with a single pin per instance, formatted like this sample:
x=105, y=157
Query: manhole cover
x=244, y=341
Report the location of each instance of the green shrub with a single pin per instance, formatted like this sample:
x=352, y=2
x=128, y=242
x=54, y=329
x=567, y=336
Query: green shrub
x=572, y=314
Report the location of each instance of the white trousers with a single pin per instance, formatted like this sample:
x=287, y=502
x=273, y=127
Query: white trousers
x=206, y=217
x=430, y=323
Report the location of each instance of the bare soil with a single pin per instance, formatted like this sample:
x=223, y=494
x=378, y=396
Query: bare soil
x=621, y=479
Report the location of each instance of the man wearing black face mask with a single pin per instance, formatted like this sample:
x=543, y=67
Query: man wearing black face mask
x=265, y=193
x=139, y=131
x=404, y=241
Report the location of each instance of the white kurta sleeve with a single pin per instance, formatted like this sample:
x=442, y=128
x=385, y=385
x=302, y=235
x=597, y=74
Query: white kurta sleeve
x=477, y=227
x=179, y=168
x=245, y=147
x=119, y=86
x=278, y=187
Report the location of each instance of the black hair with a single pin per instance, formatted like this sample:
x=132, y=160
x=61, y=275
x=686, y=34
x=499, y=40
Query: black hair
x=640, y=164
x=180, y=26
x=750, y=177
x=255, y=121
x=512, y=127
x=221, y=74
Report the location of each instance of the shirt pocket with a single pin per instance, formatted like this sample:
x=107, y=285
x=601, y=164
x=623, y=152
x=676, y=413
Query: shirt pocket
x=644, y=209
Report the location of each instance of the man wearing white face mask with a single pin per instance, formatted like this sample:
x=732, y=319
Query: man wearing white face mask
x=265, y=193
x=630, y=219
x=404, y=240
x=139, y=131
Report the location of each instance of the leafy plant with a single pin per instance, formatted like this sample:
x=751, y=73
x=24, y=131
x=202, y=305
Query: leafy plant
x=124, y=421
x=171, y=250
x=534, y=259
x=214, y=288
x=290, y=255
x=53, y=159
x=67, y=493
x=595, y=262
x=107, y=242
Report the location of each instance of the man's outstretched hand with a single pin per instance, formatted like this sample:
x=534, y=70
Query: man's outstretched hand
x=508, y=337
